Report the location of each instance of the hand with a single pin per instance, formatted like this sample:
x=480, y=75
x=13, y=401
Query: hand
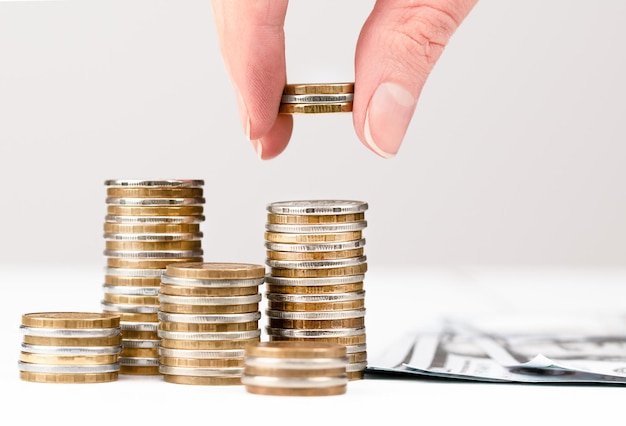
x=398, y=47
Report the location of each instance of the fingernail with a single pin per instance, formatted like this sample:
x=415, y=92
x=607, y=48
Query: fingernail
x=243, y=114
x=258, y=147
x=387, y=118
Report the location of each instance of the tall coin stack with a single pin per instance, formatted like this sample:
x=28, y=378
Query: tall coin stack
x=314, y=287
x=208, y=315
x=70, y=347
x=149, y=225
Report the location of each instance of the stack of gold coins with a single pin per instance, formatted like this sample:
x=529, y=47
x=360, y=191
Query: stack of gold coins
x=208, y=314
x=149, y=225
x=317, y=98
x=296, y=368
x=315, y=251
x=70, y=347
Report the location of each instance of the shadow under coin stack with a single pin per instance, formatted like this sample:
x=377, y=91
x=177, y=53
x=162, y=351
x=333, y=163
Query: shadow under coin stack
x=70, y=347
x=296, y=369
x=149, y=225
x=209, y=313
x=314, y=288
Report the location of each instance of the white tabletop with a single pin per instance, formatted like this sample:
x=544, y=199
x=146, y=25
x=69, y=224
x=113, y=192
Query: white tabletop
x=397, y=300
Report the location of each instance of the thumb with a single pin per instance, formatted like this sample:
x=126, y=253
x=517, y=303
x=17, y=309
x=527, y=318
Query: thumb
x=397, y=49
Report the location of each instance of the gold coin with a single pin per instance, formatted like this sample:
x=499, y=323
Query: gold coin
x=139, y=317
x=347, y=340
x=316, y=289
x=177, y=290
x=139, y=335
x=122, y=299
x=216, y=270
x=319, y=306
x=151, y=228
x=68, y=359
x=294, y=372
x=295, y=349
x=68, y=378
x=355, y=375
x=358, y=357
x=314, y=108
x=174, y=308
x=71, y=320
x=316, y=324
x=115, y=280
x=317, y=273
x=157, y=192
x=209, y=344
x=114, y=262
x=279, y=237
x=73, y=341
x=314, y=255
x=204, y=381
x=207, y=327
x=140, y=352
x=202, y=362
x=140, y=370
x=272, y=391
x=153, y=245
x=318, y=89
x=154, y=211
x=295, y=219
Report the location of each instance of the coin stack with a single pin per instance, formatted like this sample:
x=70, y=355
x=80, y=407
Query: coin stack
x=149, y=225
x=70, y=347
x=317, y=98
x=315, y=251
x=296, y=368
x=208, y=314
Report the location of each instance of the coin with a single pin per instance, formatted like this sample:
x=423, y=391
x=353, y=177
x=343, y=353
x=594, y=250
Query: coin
x=322, y=289
x=70, y=320
x=332, y=98
x=139, y=361
x=318, y=88
x=202, y=372
x=315, y=324
x=138, y=316
x=297, y=219
x=315, y=315
x=214, y=283
x=154, y=254
x=207, y=327
x=169, y=183
x=208, y=309
x=151, y=228
x=154, y=220
x=280, y=368
x=122, y=247
x=71, y=350
x=325, y=228
x=68, y=378
x=68, y=369
x=280, y=335
x=319, y=334
x=202, y=381
x=154, y=211
x=322, y=255
x=216, y=270
x=130, y=290
x=115, y=262
x=151, y=238
x=317, y=207
x=131, y=273
x=277, y=237
x=226, y=335
x=128, y=308
x=123, y=299
x=308, y=349
x=319, y=306
x=314, y=108
x=319, y=273
x=73, y=341
x=126, y=201
x=208, y=344
x=212, y=300
x=289, y=391
x=202, y=354
x=155, y=192
x=141, y=352
x=316, y=264
x=70, y=332
x=138, y=370
x=210, y=318
x=317, y=298
x=315, y=247
x=140, y=334
x=321, y=281
x=202, y=363
x=68, y=359
x=177, y=290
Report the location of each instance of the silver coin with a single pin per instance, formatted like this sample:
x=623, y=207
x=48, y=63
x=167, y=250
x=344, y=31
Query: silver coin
x=294, y=382
x=356, y=366
x=315, y=247
x=129, y=309
x=211, y=300
x=200, y=372
x=315, y=298
x=194, y=282
x=128, y=201
x=316, y=264
x=129, y=290
x=317, y=207
x=133, y=183
x=322, y=281
x=296, y=363
x=68, y=369
x=319, y=333
x=316, y=229
x=139, y=326
x=71, y=350
x=154, y=219
x=153, y=254
x=132, y=273
x=201, y=353
x=353, y=349
x=315, y=315
x=139, y=361
x=221, y=335
x=210, y=318
x=333, y=98
x=140, y=344
x=153, y=237
x=70, y=332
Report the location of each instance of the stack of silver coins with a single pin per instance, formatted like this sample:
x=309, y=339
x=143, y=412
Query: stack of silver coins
x=70, y=347
x=284, y=368
x=208, y=314
x=149, y=225
x=317, y=265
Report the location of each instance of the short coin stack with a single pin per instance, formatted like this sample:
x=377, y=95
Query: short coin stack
x=149, y=224
x=70, y=347
x=317, y=98
x=208, y=314
x=296, y=369
x=315, y=251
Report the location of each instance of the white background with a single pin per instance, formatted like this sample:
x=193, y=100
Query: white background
x=515, y=155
